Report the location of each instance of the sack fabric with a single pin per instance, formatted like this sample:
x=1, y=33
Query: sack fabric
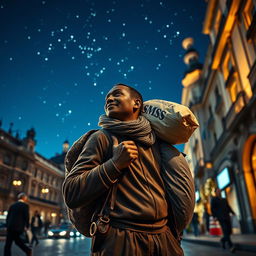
x=172, y=122
x=82, y=217
x=179, y=186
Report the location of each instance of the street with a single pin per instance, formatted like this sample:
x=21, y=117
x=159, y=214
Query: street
x=81, y=247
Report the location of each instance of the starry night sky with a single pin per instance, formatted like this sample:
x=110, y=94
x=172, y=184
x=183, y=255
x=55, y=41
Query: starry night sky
x=59, y=58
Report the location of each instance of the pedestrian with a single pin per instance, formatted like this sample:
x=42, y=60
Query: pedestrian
x=36, y=225
x=221, y=211
x=206, y=217
x=139, y=217
x=17, y=222
x=195, y=223
x=47, y=224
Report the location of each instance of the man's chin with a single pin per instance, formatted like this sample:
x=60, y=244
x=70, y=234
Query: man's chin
x=113, y=115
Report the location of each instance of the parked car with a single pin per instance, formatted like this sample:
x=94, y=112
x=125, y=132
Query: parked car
x=64, y=230
x=3, y=229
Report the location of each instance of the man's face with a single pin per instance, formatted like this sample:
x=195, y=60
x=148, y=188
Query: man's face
x=120, y=104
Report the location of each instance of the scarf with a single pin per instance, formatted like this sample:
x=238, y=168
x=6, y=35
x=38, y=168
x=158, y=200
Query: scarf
x=138, y=130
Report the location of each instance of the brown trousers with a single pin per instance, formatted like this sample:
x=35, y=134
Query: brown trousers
x=123, y=242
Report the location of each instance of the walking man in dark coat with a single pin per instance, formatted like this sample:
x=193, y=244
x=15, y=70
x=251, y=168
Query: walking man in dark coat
x=221, y=210
x=17, y=222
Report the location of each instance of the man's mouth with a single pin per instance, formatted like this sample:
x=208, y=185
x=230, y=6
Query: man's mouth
x=111, y=105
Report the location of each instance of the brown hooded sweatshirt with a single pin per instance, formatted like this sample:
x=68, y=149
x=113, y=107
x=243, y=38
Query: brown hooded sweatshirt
x=140, y=199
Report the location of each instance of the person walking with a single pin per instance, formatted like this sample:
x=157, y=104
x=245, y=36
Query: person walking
x=36, y=225
x=221, y=211
x=195, y=223
x=139, y=216
x=47, y=224
x=17, y=222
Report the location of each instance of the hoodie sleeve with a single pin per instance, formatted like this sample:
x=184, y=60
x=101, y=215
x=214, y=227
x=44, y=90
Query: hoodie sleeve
x=90, y=176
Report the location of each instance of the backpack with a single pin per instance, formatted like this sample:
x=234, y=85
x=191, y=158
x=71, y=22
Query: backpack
x=82, y=217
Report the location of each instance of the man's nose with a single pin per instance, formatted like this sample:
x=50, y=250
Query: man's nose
x=110, y=99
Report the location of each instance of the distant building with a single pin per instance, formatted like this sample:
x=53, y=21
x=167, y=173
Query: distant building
x=222, y=94
x=24, y=170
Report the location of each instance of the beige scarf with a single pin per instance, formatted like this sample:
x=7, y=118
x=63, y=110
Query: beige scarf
x=138, y=130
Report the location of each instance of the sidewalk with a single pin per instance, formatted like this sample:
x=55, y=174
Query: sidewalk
x=244, y=242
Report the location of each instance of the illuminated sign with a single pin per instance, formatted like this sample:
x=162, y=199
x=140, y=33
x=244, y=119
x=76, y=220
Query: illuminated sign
x=223, y=178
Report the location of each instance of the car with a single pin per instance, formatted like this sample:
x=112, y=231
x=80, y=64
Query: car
x=3, y=228
x=74, y=233
x=64, y=230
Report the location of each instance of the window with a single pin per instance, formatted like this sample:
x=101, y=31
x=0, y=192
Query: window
x=33, y=189
x=227, y=66
x=7, y=159
x=249, y=12
x=24, y=165
x=3, y=180
x=35, y=172
x=233, y=90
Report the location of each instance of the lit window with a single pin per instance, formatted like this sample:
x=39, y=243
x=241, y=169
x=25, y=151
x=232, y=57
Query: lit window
x=216, y=24
x=233, y=90
x=227, y=66
x=249, y=12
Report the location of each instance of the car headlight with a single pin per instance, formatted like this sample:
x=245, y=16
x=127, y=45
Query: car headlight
x=50, y=233
x=77, y=233
x=63, y=233
x=72, y=233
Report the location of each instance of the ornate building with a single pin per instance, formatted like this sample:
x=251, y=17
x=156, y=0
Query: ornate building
x=24, y=170
x=222, y=94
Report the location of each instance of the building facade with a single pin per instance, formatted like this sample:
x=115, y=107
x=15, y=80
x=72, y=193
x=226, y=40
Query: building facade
x=222, y=94
x=24, y=170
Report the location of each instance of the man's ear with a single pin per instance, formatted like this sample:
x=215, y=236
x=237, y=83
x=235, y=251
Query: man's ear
x=137, y=104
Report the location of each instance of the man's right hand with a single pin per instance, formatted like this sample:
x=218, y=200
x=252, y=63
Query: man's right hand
x=124, y=153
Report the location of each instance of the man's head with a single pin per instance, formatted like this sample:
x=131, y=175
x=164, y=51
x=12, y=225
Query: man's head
x=22, y=196
x=123, y=102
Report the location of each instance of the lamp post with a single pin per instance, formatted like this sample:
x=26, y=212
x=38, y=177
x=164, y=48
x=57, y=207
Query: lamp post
x=45, y=190
x=16, y=183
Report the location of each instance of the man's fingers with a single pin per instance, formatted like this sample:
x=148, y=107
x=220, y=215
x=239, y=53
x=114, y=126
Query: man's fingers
x=128, y=142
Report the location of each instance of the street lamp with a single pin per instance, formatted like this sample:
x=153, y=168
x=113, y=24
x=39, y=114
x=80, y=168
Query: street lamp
x=16, y=182
x=45, y=190
x=208, y=165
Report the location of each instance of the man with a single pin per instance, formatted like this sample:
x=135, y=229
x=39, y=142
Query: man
x=221, y=210
x=17, y=222
x=36, y=225
x=140, y=215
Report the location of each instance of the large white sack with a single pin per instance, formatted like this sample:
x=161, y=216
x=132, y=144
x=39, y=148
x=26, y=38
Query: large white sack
x=172, y=122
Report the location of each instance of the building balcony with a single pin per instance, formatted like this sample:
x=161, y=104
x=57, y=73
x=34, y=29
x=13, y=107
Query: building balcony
x=235, y=109
x=43, y=200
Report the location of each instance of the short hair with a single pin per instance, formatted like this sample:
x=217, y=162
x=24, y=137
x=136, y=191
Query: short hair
x=21, y=195
x=135, y=94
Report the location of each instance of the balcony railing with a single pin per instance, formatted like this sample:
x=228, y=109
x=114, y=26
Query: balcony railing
x=43, y=200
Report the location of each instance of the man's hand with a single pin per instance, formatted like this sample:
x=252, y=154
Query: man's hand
x=124, y=153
